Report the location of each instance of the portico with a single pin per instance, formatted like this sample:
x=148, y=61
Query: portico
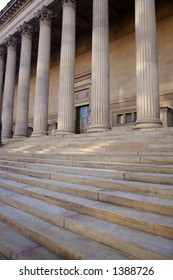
x=60, y=27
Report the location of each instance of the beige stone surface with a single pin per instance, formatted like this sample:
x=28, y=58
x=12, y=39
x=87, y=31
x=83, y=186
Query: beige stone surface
x=59, y=240
x=15, y=246
x=83, y=203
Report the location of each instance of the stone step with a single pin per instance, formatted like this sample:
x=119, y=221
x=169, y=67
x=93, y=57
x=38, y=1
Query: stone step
x=102, y=169
x=101, y=231
x=143, y=202
x=96, y=138
x=59, y=240
x=49, y=144
x=59, y=159
x=148, y=222
x=99, y=209
x=65, y=159
x=122, y=147
x=105, y=187
x=15, y=246
x=148, y=177
x=90, y=187
x=149, y=204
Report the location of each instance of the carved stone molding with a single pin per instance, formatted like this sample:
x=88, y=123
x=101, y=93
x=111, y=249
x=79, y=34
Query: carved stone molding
x=10, y=41
x=2, y=51
x=25, y=29
x=44, y=14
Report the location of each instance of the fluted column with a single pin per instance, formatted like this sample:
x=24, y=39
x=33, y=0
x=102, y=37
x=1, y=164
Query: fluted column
x=45, y=17
x=100, y=67
x=1, y=88
x=148, y=104
x=8, y=99
x=21, y=123
x=67, y=64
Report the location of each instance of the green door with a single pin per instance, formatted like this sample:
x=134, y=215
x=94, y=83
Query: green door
x=82, y=120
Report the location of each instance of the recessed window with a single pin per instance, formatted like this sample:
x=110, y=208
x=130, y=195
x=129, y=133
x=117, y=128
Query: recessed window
x=120, y=119
x=128, y=117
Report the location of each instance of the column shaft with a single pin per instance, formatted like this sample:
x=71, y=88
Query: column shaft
x=148, y=104
x=8, y=100
x=23, y=83
x=1, y=89
x=1, y=75
x=42, y=75
x=100, y=67
x=67, y=65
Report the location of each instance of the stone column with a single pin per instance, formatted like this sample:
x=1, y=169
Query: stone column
x=100, y=67
x=45, y=17
x=8, y=99
x=67, y=64
x=148, y=104
x=21, y=123
x=1, y=88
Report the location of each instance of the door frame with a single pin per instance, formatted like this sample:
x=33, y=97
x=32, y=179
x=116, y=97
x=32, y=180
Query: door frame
x=76, y=108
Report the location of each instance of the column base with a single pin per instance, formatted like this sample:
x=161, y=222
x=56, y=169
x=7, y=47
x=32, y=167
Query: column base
x=6, y=137
x=98, y=128
x=19, y=136
x=39, y=134
x=148, y=123
x=63, y=132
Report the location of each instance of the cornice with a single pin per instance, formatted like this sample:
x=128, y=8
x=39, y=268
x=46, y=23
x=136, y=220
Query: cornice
x=10, y=9
x=24, y=14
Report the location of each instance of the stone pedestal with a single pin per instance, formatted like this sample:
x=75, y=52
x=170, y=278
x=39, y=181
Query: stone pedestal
x=100, y=68
x=42, y=76
x=148, y=104
x=21, y=123
x=67, y=64
x=8, y=100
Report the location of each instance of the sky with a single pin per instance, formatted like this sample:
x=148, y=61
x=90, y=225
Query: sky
x=3, y=3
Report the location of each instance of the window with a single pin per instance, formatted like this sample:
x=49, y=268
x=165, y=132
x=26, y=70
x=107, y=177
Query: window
x=120, y=119
x=128, y=117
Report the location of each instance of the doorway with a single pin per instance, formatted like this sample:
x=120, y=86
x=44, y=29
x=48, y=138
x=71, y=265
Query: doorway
x=82, y=119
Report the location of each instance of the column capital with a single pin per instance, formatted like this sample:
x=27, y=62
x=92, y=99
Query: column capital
x=25, y=29
x=10, y=41
x=69, y=2
x=44, y=14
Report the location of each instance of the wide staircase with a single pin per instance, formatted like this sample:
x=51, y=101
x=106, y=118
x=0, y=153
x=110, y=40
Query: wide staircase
x=92, y=196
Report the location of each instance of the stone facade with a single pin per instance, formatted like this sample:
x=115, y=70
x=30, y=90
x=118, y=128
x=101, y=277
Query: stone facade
x=122, y=71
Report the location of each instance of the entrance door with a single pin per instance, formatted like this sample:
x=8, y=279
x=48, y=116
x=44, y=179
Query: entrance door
x=82, y=120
